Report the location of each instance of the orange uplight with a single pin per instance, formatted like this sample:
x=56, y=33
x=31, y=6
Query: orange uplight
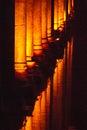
x=20, y=46
x=29, y=33
x=37, y=46
x=30, y=62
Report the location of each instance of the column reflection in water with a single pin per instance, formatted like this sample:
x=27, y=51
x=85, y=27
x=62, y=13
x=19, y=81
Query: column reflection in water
x=62, y=90
x=52, y=109
x=57, y=96
x=68, y=81
x=40, y=118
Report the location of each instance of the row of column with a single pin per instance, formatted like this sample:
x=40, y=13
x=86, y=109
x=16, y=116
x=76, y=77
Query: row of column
x=34, y=23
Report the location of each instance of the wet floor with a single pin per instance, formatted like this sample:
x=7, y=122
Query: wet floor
x=52, y=109
x=62, y=103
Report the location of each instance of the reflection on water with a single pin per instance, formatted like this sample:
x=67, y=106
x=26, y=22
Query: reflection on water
x=67, y=82
x=52, y=109
x=40, y=118
x=57, y=95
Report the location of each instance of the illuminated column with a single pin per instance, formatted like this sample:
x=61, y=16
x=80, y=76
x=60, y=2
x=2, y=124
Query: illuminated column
x=44, y=22
x=60, y=12
x=72, y=3
x=65, y=10
x=69, y=6
x=55, y=14
x=49, y=21
x=72, y=7
x=20, y=46
x=37, y=27
x=29, y=33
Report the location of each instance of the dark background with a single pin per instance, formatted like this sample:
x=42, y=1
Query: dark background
x=79, y=81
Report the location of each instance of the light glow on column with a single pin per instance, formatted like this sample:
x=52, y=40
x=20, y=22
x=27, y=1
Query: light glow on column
x=37, y=27
x=49, y=17
x=60, y=12
x=29, y=33
x=44, y=21
x=69, y=6
x=20, y=46
x=72, y=3
x=55, y=14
